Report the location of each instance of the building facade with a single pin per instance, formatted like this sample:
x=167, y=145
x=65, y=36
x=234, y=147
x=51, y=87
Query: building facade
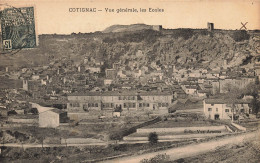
x=52, y=118
x=222, y=85
x=220, y=109
x=128, y=100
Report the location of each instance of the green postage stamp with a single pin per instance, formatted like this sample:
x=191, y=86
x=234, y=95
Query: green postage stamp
x=18, y=28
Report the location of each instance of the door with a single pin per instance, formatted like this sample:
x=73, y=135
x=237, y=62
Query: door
x=216, y=117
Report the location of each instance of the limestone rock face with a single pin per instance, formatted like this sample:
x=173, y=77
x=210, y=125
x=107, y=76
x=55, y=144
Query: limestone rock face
x=141, y=47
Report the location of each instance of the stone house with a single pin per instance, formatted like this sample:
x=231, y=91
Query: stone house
x=221, y=109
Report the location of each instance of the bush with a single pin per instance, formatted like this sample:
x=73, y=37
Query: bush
x=184, y=33
x=240, y=35
x=157, y=159
x=148, y=36
x=181, y=160
x=120, y=147
x=153, y=138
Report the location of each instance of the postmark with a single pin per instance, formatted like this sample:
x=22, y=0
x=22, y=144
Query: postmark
x=18, y=29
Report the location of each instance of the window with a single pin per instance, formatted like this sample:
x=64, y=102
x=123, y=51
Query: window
x=96, y=104
x=119, y=98
x=212, y=104
x=160, y=104
x=242, y=110
x=226, y=110
x=125, y=105
x=209, y=109
x=216, y=109
x=167, y=104
x=140, y=105
x=75, y=105
x=163, y=104
x=89, y=105
x=148, y=105
x=85, y=107
x=134, y=105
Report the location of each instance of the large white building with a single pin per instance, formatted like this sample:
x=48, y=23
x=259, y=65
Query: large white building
x=127, y=100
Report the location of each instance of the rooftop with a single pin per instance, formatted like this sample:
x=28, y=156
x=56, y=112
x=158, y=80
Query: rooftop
x=123, y=93
x=226, y=101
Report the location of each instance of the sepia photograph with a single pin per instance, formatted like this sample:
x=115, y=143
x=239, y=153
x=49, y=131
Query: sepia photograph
x=129, y=81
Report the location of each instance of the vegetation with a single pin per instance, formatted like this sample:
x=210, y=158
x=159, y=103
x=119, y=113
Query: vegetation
x=75, y=154
x=160, y=158
x=252, y=90
x=119, y=134
x=184, y=33
x=240, y=35
x=235, y=93
x=148, y=36
x=153, y=138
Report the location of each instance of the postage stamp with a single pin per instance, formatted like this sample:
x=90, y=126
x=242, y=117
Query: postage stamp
x=18, y=28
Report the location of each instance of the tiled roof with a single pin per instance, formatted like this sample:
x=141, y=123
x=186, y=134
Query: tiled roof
x=57, y=111
x=123, y=93
x=204, y=91
x=226, y=101
x=191, y=87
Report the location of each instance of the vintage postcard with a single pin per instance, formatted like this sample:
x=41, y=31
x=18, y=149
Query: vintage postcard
x=129, y=81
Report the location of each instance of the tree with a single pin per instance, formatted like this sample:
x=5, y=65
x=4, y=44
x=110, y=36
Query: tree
x=231, y=97
x=234, y=93
x=148, y=112
x=240, y=35
x=153, y=138
x=255, y=104
x=252, y=90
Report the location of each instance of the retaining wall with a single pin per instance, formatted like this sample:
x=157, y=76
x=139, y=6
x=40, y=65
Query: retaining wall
x=23, y=120
x=181, y=129
x=80, y=141
x=238, y=126
x=174, y=137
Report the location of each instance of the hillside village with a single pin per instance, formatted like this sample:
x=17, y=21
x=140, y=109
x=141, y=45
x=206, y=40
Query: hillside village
x=121, y=78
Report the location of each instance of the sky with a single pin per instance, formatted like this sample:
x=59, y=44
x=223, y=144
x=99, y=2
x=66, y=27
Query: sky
x=54, y=16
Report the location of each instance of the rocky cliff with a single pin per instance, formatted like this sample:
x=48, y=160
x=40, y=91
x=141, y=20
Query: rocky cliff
x=179, y=47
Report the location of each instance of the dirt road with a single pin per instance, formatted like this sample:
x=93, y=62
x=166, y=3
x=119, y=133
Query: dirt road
x=193, y=149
